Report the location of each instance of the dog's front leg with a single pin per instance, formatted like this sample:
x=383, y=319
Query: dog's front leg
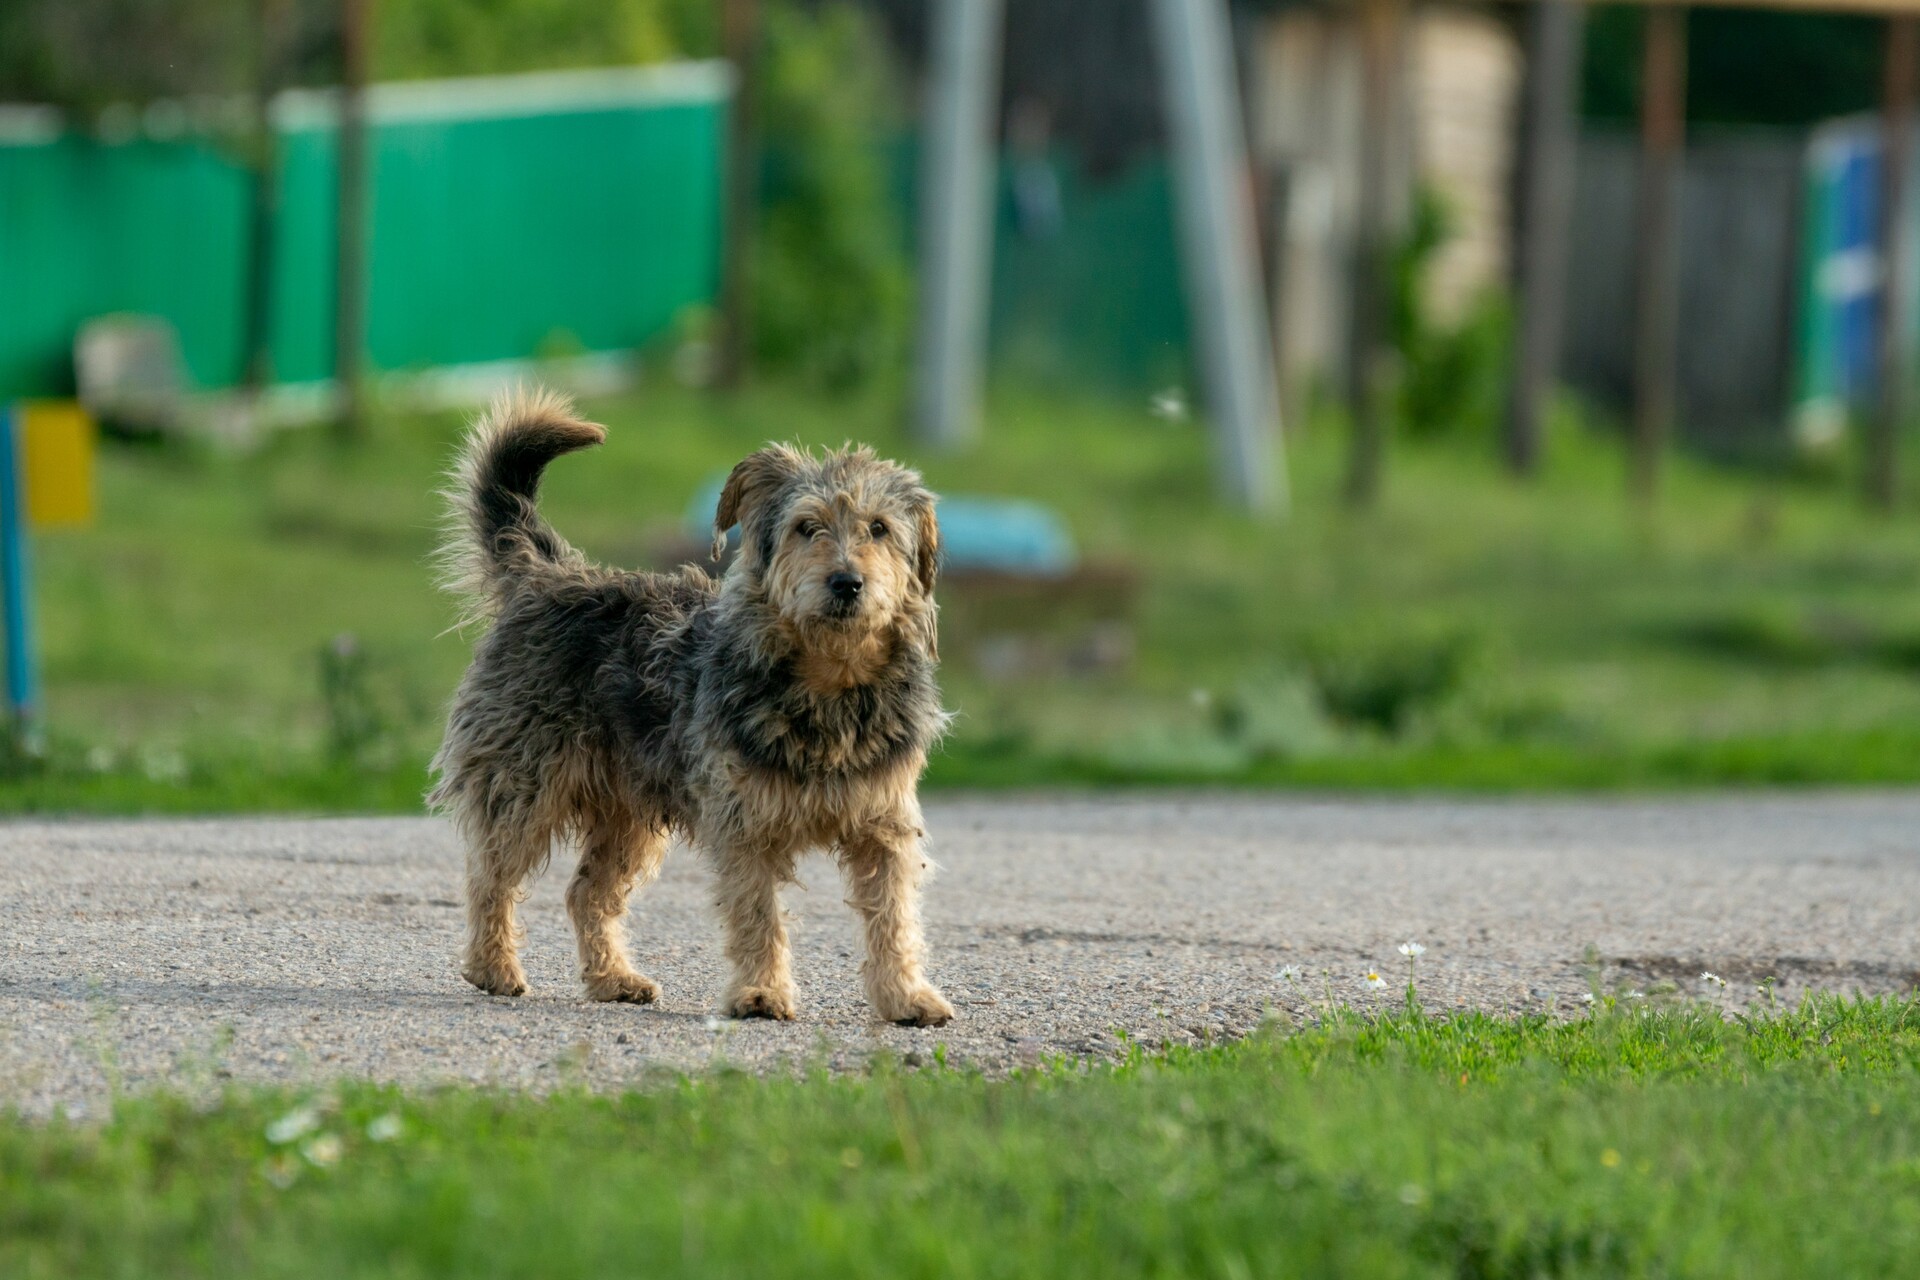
x=748, y=895
x=884, y=866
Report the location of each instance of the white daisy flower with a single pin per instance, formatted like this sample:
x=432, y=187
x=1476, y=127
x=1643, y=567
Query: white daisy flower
x=1412, y=950
x=1374, y=980
x=292, y=1126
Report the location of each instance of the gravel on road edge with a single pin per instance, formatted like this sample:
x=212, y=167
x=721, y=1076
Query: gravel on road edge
x=190, y=954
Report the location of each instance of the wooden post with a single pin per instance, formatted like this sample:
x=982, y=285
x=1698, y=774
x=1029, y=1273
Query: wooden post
x=1543, y=208
x=1663, y=96
x=1902, y=55
x=1367, y=357
x=350, y=229
x=740, y=46
x=257, y=338
x=956, y=219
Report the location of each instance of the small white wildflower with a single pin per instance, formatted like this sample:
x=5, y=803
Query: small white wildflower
x=294, y=1125
x=1412, y=950
x=1636, y=995
x=1288, y=973
x=713, y=1025
x=1586, y=997
x=385, y=1128
x=163, y=764
x=324, y=1151
x=1714, y=979
x=1374, y=980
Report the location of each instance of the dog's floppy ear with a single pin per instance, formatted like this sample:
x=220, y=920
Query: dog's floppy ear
x=926, y=567
x=926, y=560
x=753, y=481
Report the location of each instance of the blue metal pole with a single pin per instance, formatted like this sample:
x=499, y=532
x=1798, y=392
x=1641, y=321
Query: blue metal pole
x=23, y=675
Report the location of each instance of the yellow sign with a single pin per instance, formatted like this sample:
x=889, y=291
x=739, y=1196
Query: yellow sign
x=57, y=445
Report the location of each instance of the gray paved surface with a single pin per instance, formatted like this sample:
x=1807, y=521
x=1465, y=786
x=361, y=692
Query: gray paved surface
x=195, y=952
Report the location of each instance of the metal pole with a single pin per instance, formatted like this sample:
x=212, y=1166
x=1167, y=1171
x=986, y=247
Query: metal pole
x=16, y=580
x=350, y=229
x=1367, y=328
x=956, y=218
x=740, y=43
x=1222, y=265
x=1555, y=29
x=1663, y=122
x=1896, y=213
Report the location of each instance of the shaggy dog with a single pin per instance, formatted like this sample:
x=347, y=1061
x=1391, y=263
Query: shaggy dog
x=785, y=707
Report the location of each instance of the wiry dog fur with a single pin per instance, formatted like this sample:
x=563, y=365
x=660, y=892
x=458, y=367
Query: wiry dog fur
x=760, y=715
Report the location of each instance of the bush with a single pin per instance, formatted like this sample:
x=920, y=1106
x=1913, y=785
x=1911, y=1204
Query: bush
x=1380, y=680
x=831, y=286
x=1452, y=380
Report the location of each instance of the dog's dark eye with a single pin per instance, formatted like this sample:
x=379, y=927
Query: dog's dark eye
x=808, y=528
x=878, y=528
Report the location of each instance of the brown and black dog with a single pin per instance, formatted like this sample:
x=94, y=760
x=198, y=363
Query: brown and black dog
x=784, y=707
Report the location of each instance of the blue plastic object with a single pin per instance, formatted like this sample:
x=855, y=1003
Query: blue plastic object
x=1001, y=535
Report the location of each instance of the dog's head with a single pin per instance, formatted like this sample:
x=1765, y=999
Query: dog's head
x=842, y=544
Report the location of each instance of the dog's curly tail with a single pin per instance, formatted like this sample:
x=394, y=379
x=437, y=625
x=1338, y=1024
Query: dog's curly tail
x=496, y=538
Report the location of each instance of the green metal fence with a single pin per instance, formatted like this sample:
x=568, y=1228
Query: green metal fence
x=509, y=214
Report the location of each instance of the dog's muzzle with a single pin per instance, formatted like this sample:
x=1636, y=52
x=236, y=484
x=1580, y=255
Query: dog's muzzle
x=845, y=588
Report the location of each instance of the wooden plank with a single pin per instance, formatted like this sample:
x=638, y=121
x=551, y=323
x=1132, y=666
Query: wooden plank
x=1902, y=57
x=1663, y=93
x=1545, y=207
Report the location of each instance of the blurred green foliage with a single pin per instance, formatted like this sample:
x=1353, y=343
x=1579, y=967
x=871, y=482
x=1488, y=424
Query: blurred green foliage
x=1452, y=375
x=422, y=38
x=1743, y=67
x=831, y=301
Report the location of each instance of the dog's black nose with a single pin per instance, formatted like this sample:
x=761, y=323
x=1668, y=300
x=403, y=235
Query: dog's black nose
x=844, y=585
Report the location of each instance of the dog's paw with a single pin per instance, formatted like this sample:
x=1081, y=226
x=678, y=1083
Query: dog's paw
x=497, y=979
x=760, y=1002
x=919, y=1007
x=623, y=988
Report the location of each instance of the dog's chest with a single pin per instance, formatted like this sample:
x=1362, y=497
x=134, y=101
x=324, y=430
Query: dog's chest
x=805, y=734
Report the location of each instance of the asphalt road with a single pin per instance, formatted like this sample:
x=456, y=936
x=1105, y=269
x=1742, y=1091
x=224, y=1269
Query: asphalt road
x=194, y=953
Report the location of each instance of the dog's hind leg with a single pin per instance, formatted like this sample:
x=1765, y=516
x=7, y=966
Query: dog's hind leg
x=748, y=895
x=617, y=857
x=498, y=865
x=884, y=865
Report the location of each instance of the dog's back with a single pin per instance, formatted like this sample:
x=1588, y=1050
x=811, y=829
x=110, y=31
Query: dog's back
x=557, y=687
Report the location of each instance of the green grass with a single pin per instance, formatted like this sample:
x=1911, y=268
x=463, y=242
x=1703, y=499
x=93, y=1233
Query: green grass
x=1472, y=632
x=1670, y=1142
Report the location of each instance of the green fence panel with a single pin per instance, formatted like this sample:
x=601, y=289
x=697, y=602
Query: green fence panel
x=498, y=230
x=87, y=228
